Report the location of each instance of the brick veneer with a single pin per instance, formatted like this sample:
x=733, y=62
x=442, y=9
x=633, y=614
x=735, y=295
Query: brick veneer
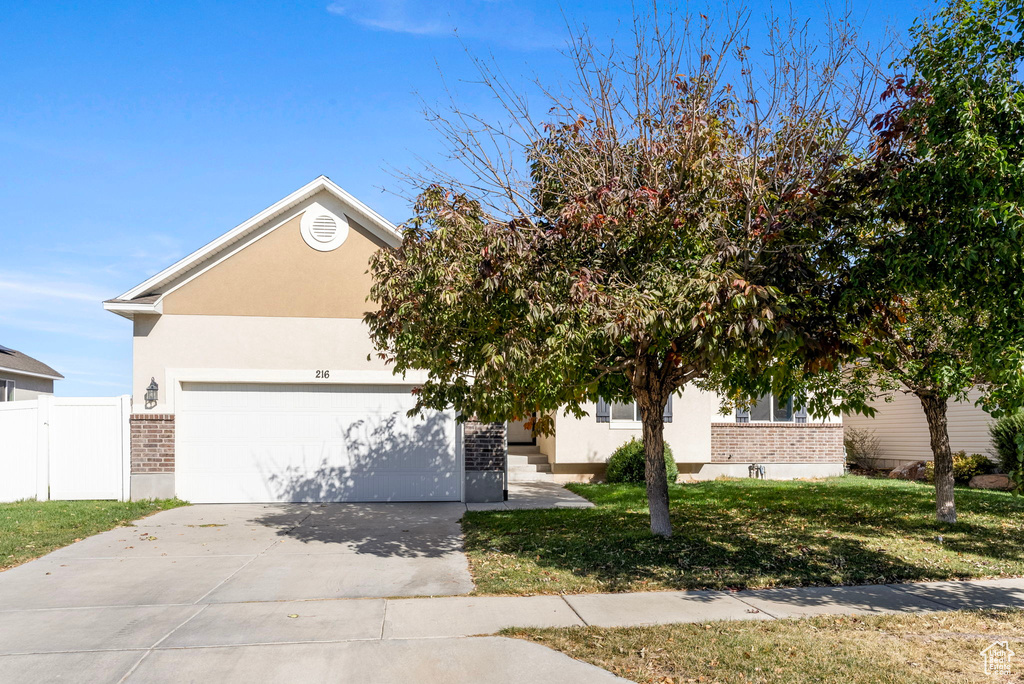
x=152, y=442
x=485, y=446
x=776, y=443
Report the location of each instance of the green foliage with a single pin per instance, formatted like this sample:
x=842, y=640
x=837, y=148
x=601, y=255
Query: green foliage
x=665, y=232
x=935, y=290
x=964, y=467
x=1008, y=439
x=627, y=464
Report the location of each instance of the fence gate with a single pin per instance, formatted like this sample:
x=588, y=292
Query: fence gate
x=65, y=448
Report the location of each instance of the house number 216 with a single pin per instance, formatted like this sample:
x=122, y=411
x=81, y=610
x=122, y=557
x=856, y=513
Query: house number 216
x=324, y=374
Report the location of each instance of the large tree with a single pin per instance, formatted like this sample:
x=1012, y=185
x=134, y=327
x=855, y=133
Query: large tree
x=667, y=221
x=939, y=278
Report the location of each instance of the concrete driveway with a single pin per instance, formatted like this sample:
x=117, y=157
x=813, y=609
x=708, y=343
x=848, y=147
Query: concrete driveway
x=250, y=593
x=236, y=553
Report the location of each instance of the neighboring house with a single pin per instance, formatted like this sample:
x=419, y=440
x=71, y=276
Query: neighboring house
x=254, y=379
x=902, y=429
x=22, y=377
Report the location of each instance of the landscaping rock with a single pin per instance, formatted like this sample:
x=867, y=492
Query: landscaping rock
x=910, y=471
x=991, y=482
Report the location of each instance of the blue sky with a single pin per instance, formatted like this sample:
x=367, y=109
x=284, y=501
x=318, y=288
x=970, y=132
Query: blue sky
x=133, y=133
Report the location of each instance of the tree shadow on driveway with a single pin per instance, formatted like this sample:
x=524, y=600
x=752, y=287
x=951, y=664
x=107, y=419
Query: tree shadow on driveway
x=403, y=530
x=386, y=460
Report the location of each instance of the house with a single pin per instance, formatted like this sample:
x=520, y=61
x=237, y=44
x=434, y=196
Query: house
x=254, y=379
x=22, y=377
x=706, y=443
x=901, y=428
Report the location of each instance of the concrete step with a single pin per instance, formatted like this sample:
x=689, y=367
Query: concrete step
x=524, y=459
x=519, y=476
x=529, y=467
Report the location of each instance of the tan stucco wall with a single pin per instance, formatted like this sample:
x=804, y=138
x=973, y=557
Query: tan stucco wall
x=280, y=275
x=244, y=343
x=584, y=440
x=547, y=444
x=27, y=387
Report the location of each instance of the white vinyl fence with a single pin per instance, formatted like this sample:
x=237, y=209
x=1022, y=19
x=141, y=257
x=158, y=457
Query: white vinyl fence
x=65, y=448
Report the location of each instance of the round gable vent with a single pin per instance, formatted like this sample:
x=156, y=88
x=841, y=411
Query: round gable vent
x=323, y=229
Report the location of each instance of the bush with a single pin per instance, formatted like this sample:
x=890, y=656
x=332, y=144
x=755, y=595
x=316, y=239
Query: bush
x=862, y=447
x=627, y=464
x=1004, y=438
x=964, y=467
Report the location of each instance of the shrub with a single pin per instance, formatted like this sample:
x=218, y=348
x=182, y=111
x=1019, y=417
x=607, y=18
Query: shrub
x=627, y=464
x=1004, y=434
x=964, y=467
x=863, y=447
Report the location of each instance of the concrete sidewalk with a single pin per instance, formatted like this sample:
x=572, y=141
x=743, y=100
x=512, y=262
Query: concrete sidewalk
x=455, y=616
x=141, y=642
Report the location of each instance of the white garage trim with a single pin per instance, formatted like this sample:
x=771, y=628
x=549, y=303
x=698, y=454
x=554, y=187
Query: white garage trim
x=174, y=377
x=259, y=442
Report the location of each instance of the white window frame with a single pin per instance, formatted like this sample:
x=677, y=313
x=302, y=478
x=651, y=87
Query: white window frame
x=622, y=423
x=771, y=411
x=8, y=387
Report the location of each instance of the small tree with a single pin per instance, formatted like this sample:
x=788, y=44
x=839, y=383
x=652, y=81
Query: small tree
x=661, y=228
x=941, y=272
x=933, y=346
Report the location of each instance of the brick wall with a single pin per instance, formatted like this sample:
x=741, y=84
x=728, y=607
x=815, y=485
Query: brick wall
x=152, y=442
x=776, y=443
x=485, y=446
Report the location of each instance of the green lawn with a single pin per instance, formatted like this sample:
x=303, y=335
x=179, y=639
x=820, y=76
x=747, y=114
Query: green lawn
x=29, y=529
x=887, y=649
x=747, y=534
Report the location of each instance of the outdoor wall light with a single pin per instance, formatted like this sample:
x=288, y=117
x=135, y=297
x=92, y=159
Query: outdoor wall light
x=151, y=393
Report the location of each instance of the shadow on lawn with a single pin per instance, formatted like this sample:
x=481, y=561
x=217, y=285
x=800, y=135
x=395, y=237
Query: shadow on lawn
x=747, y=535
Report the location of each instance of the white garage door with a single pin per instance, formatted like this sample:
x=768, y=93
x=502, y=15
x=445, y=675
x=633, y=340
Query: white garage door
x=266, y=442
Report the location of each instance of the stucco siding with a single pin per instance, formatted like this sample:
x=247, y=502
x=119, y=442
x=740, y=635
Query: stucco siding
x=279, y=275
x=168, y=342
x=584, y=440
x=902, y=429
x=27, y=387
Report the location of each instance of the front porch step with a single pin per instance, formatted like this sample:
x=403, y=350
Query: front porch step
x=525, y=459
x=514, y=476
x=527, y=464
x=544, y=467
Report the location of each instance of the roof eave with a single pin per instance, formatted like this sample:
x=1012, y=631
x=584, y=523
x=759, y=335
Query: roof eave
x=129, y=309
x=47, y=376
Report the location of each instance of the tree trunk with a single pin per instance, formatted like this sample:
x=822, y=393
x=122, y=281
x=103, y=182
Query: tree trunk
x=654, y=467
x=938, y=430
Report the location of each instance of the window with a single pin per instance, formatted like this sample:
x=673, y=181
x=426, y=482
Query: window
x=772, y=409
x=625, y=413
x=6, y=390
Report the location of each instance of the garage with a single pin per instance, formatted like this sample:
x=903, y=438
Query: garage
x=252, y=443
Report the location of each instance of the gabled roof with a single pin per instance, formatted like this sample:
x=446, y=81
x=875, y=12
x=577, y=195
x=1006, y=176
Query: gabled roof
x=16, y=362
x=146, y=297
